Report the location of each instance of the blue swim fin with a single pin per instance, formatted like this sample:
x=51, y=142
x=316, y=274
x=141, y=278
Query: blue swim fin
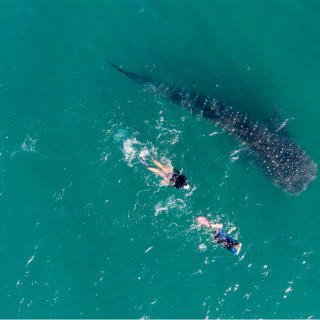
x=143, y=161
x=233, y=250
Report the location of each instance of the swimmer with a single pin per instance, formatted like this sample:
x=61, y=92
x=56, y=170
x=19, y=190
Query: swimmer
x=223, y=239
x=170, y=175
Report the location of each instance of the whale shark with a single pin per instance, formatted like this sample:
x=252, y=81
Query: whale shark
x=282, y=160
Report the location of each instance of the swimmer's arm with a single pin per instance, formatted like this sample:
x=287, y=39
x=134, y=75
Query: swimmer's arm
x=177, y=171
x=232, y=229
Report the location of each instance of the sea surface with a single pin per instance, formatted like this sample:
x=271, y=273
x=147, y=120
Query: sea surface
x=86, y=230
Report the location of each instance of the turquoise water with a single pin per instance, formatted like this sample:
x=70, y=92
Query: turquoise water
x=86, y=231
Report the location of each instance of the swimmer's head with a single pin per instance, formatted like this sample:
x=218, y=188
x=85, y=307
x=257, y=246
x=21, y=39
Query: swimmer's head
x=180, y=181
x=186, y=186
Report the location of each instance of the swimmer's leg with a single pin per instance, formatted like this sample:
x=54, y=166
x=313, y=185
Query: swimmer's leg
x=158, y=172
x=217, y=226
x=238, y=247
x=162, y=167
x=232, y=229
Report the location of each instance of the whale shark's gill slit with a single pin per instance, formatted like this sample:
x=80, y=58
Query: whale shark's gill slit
x=282, y=160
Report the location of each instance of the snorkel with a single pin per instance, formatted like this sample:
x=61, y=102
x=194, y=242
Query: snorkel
x=186, y=186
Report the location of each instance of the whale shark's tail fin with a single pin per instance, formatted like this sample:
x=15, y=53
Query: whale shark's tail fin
x=135, y=77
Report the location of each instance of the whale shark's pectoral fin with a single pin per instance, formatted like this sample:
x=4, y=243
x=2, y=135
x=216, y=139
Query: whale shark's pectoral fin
x=276, y=123
x=243, y=154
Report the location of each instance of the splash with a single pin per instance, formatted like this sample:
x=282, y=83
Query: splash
x=29, y=145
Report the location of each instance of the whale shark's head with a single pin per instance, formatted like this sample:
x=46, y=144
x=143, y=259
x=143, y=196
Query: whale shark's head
x=285, y=163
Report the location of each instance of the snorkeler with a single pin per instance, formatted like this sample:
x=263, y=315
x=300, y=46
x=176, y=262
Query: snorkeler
x=223, y=239
x=170, y=175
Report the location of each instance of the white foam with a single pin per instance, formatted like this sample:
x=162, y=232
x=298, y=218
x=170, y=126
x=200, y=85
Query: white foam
x=144, y=153
x=120, y=135
x=202, y=247
x=167, y=135
x=160, y=207
x=131, y=147
x=129, y=150
x=148, y=249
x=170, y=203
x=30, y=260
x=28, y=145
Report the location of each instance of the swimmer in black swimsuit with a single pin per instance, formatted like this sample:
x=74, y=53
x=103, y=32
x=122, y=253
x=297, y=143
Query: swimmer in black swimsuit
x=223, y=239
x=170, y=175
